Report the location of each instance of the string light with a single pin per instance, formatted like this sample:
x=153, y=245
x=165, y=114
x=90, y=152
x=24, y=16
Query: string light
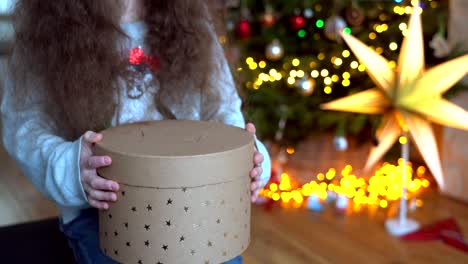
x=262, y=64
x=327, y=81
x=354, y=64
x=345, y=53
x=362, y=68
x=291, y=80
x=346, y=75
x=253, y=66
x=314, y=74
x=372, y=35
x=320, y=177
x=264, y=77
x=320, y=23
x=403, y=26
x=338, y=62
x=379, y=190
x=324, y=73
x=393, y=46
x=408, y=10
x=335, y=78
x=296, y=62
x=278, y=76
x=403, y=140
x=301, y=33
x=347, y=30
x=327, y=90
x=300, y=73
x=290, y=150
x=321, y=56
x=222, y=40
x=346, y=83
x=293, y=73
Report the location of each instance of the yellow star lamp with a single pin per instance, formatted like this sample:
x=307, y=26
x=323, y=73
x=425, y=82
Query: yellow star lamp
x=409, y=97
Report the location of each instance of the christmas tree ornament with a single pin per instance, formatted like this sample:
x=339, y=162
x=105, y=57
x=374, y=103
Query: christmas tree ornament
x=314, y=203
x=305, y=86
x=440, y=46
x=354, y=15
x=243, y=29
x=308, y=13
x=331, y=196
x=340, y=143
x=333, y=27
x=342, y=202
x=230, y=25
x=269, y=17
x=274, y=51
x=409, y=97
x=297, y=22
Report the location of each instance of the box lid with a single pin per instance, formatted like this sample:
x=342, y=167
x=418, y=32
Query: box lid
x=174, y=153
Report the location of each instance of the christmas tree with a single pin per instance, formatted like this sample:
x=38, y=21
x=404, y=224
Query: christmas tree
x=290, y=59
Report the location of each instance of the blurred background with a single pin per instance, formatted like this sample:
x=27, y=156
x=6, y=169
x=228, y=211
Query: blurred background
x=320, y=206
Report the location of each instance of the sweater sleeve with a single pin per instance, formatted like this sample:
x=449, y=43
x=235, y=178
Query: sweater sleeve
x=50, y=162
x=231, y=106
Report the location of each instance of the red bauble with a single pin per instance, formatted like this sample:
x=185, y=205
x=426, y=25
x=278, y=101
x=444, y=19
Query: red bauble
x=298, y=22
x=243, y=29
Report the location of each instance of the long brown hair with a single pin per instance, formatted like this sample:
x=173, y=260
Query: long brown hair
x=66, y=52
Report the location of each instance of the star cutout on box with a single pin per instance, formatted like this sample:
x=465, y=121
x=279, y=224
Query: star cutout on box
x=409, y=97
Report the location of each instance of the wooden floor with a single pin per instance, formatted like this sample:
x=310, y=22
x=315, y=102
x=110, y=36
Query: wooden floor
x=286, y=235
x=296, y=236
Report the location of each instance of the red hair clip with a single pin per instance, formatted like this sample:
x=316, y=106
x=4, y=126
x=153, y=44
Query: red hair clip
x=138, y=57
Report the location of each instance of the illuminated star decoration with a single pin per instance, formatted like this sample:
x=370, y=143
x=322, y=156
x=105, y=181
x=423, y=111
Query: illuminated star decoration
x=409, y=97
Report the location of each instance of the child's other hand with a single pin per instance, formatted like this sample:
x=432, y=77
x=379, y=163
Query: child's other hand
x=257, y=170
x=99, y=190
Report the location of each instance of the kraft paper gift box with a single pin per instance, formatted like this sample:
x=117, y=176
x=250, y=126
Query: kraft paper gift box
x=184, y=192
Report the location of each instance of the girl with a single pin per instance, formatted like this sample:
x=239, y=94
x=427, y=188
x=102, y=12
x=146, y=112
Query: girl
x=70, y=74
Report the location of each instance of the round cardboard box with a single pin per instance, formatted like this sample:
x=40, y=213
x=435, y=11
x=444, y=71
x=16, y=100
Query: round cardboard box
x=184, y=192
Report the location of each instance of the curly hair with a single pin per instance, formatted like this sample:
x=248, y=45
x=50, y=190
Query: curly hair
x=66, y=52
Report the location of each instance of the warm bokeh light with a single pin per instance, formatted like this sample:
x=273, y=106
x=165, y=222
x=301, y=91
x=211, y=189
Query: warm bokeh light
x=384, y=187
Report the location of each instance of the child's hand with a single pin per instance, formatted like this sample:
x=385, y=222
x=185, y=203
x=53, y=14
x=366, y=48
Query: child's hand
x=256, y=171
x=99, y=190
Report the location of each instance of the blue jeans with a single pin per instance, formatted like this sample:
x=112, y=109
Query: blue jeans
x=82, y=234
